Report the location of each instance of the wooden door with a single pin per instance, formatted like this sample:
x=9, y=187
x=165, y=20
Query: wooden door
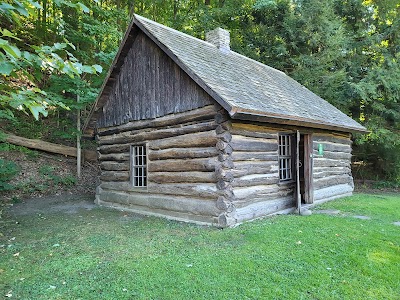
x=297, y=193
x=308, y=169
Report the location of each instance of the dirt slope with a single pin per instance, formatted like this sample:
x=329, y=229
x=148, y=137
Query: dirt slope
x=42, y=174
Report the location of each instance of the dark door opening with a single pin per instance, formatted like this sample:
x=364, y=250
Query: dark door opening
x=305, y=168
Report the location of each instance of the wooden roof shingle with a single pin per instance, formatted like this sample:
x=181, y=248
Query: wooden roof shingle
x=247, y=89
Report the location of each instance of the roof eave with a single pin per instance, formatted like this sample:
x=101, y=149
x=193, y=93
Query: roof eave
x=251, y=115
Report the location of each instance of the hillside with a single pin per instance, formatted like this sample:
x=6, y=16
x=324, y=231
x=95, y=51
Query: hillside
x=38, y=174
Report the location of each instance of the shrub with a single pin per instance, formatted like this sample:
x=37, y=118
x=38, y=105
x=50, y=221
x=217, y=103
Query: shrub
x=8, y=170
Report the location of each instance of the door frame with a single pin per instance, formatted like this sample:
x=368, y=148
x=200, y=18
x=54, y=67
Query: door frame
x=308, y=169
x=307, y=162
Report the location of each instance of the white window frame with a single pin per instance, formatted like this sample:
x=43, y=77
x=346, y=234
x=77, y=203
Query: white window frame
x=138, y=155
x=285, y=154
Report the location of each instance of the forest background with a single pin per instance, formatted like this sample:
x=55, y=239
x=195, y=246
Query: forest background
x=346, y=51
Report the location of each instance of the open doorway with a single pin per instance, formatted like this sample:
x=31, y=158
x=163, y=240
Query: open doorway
x=295, y=165
x=305, y=151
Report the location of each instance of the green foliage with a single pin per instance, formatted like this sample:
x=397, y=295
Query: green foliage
x=49, y=172
x=8, y=170
x=58, y=128
x=32, y=186
x=386, y=185
x=46, y=170
x=32, y=154
x=29, y=64
x=67, y=180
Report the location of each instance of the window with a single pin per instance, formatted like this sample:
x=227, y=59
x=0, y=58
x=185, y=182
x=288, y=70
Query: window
x=285, y=157
x=139, y=166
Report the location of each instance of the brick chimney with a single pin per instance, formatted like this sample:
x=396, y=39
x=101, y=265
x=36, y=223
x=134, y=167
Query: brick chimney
x=220, y=38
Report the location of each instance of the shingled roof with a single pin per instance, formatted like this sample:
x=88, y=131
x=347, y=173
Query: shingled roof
x=247, y=89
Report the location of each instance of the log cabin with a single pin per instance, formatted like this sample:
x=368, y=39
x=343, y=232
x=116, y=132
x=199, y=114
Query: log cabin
x=190, y=130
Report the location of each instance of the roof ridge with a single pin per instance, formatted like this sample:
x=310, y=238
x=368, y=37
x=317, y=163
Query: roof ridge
x=208, y=43
x=141, y=18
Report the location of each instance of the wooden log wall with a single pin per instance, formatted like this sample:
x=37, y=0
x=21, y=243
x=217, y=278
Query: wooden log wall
x=204, y=166
x=256, y=171
x=223, y=169
x=182, y=157
x=333, y=167
x=248, y=172
x=149, y=85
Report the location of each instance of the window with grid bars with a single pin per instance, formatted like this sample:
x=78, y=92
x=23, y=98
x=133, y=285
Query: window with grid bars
x=139, y=166
x=285, y=157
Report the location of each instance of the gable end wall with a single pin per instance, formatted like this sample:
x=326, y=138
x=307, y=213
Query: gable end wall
x=149, y=85
x=182, y=158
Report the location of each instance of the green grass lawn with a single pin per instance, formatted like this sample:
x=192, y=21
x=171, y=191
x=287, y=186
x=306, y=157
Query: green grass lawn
x=108, y=254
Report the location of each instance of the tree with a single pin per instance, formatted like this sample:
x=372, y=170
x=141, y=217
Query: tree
x=24, y=65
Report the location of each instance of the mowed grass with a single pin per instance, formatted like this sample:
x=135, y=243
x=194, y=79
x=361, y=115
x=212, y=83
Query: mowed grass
x=108, y=254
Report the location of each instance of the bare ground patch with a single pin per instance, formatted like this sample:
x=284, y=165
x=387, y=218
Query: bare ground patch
x=68, y=204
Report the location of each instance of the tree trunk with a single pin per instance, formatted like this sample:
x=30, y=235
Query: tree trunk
x=78, y=141
x=48, y=147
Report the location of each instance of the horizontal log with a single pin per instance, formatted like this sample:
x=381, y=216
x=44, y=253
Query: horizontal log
x=192, y=140
x=288, y=193
x=114, y=166
x=114, y=156
x=325, y=162
x=135, y=137
x=174, y=204
x=246, y=193
x=241, y=143
x=121, y=186
x=333, y=139
x=333, y=147
x=182, y=153
x=317, y=175
x=249, y=127
x=203, y=113
x=327, y=169
x=49, y=147
x=255, y=134
x=332, y=192
x=182, y=177
x=182, y=165
x=263, y=208
x=245, y=168
x=204, y=190
x=332, y=180
x=255, y=179
x=108, y=149
x=255, y=156
x=333, y=155
x=114, y=176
